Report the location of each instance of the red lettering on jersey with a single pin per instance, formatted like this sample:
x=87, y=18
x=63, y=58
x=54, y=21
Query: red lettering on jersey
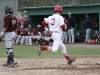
x=53, y=21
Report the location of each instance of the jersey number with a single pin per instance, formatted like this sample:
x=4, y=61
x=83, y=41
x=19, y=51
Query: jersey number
x=13, y=23
x=53, y=21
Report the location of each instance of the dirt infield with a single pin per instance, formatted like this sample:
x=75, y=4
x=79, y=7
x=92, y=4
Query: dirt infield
x=53, y=66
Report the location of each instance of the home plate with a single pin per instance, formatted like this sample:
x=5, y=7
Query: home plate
x=83, y=66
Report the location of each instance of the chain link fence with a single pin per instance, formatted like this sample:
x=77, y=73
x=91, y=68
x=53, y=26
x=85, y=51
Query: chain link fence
x=37, y=3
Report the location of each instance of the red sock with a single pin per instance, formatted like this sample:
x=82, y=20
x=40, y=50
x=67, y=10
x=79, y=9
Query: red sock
x=44, y=47
x=67, y=57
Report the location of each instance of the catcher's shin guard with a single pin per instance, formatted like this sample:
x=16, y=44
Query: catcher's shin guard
x=8, y=60
x=11, y=58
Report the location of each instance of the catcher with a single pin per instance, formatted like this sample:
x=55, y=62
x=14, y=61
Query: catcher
x=10, y=25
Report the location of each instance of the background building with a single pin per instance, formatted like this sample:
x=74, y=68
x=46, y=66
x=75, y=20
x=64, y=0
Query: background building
x=37, y=14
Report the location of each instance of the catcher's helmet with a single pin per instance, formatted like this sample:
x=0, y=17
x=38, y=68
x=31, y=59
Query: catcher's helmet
x=9, y=9
x=58, y=8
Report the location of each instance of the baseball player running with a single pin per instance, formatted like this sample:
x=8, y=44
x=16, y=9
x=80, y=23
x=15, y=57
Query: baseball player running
x=56, y=24
x=10, y=25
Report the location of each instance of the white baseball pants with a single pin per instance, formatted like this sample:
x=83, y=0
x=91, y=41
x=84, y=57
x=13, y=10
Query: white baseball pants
x=9, y=38
x=57, y=42
x=71, y=35
x=39, y=37
x=24, y=39
x=18, y=39
x=30, y=39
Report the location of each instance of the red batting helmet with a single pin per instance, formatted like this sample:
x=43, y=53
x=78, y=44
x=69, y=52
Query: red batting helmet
x=58, y=8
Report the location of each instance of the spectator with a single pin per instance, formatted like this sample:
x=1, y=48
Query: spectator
x=65, y=32
x=88, y=25
x=70, y=26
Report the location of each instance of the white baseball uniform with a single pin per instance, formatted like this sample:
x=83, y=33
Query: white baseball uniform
x=54, y=22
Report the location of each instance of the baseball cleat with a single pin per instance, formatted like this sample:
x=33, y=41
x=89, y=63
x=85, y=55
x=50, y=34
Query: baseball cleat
x=15, y=64
x=71, y=61
x=40, y=49
x=7, y=65
x=10, y=65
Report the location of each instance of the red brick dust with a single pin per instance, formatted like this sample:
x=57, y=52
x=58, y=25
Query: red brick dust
x=53, y=66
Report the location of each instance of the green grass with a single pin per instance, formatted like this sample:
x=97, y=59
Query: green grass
x=31, y=52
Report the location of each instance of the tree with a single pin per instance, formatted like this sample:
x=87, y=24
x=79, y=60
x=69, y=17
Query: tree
x=36, y=3
x=44, y=2
x=85, y=1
